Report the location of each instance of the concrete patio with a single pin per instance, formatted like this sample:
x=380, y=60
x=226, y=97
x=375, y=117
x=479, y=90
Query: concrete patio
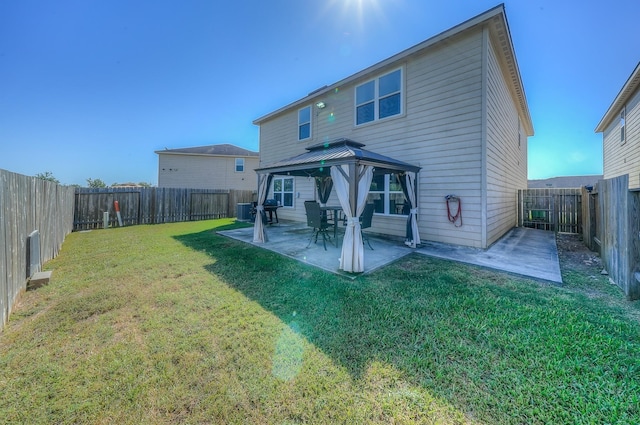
x=522, y=251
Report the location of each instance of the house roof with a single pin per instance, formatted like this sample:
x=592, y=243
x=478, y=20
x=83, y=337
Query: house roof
x=565, y=182
x=496, y=21
x=319, y=158
x=628, y=89
x=210, y=150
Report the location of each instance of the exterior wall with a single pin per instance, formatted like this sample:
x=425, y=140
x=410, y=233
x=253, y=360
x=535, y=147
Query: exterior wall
x=621, y=159
x=440, y=130
x=206, y=172
x=505, y=152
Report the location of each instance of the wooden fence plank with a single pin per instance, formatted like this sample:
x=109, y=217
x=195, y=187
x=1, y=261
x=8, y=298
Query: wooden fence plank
x=155, y=205
x=28, y=204
x=5, y=254
x=616, y=230
x=589, y=236
x=558, y=210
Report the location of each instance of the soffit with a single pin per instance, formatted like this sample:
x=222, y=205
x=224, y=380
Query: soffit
x=627, y=91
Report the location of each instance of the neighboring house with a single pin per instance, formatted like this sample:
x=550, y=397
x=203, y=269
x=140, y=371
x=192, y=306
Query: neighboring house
x=453, y=105
x=208, y=167
x=129, y=184
x=565, y=182
x=620, y=128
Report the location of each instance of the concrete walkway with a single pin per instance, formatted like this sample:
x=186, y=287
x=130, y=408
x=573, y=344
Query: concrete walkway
x=527, y=252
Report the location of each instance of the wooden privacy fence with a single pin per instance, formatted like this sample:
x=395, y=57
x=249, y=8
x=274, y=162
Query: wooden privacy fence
x=153, y=205
x=612, y=226
x=28, y=204
x=558, y=210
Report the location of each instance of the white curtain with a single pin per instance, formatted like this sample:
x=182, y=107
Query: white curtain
x=259, y=232
x=352, y=258
x=414, y=240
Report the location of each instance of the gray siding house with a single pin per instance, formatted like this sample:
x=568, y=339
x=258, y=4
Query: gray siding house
x=620, y=128
x=208, y=167
x=453, y=105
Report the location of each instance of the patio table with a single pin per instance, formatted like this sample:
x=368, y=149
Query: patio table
x=336, y=210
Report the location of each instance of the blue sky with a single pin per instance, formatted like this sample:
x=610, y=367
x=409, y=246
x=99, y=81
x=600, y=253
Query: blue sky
x=90, y=89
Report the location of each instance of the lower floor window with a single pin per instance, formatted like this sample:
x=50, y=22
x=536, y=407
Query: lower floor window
x=283, y=191
x=387, y=196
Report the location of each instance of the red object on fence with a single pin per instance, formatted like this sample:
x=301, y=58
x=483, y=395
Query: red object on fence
x=116, y=205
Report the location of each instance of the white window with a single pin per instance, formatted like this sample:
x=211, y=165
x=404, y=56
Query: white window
x=239, y=165
x=304, y=123
x=380, y=98
x=386, y=194
x=623, y=116
x=283, y=191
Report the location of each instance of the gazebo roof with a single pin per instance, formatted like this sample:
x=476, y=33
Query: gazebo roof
x=319, y=158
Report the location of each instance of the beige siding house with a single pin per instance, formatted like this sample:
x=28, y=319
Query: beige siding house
x=208, y=167
x=620, y=128
x=453, y=105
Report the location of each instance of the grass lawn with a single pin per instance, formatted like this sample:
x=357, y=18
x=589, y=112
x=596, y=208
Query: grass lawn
x=175, y=324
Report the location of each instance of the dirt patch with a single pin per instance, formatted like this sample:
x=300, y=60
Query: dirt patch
x=575, y=256
x=583, y=269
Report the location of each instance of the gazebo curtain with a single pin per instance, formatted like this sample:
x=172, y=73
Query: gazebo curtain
x=409, y=188
x=324, y=185
x=352, y=258
x=259, y=233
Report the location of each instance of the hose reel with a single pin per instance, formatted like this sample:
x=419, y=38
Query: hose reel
x=455, y=218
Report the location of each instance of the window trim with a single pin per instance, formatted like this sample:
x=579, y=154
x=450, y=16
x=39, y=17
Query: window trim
x=293, y=191
x=236, y=165
x=310, y=123
x=377, y=98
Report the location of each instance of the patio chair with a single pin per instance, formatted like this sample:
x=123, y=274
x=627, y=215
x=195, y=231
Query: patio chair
x=365, y=222
x=316, y=220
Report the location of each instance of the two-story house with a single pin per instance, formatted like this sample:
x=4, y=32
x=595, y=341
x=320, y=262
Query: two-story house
x=221, y=166
x=620, y=128
x=452, y=107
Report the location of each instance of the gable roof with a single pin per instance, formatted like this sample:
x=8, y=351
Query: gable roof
x=496, y=21
x=564, y=182
x=628, y=89
x=319, y=158
x=211, y=150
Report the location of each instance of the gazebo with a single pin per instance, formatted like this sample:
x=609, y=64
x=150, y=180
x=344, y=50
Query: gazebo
x=343, y=164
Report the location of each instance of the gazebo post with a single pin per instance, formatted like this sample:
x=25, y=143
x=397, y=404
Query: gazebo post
x=353, y=189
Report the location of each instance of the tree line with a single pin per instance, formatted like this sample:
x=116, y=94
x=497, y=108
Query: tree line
x=93, y=183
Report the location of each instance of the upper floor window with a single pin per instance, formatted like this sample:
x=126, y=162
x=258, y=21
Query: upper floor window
x=239, y=165
x=304, y=123
x=283, y=191
x=623, y=116
x=386, y=194
x=379, y=98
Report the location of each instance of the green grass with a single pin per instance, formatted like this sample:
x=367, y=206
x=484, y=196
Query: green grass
x=175, y=324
